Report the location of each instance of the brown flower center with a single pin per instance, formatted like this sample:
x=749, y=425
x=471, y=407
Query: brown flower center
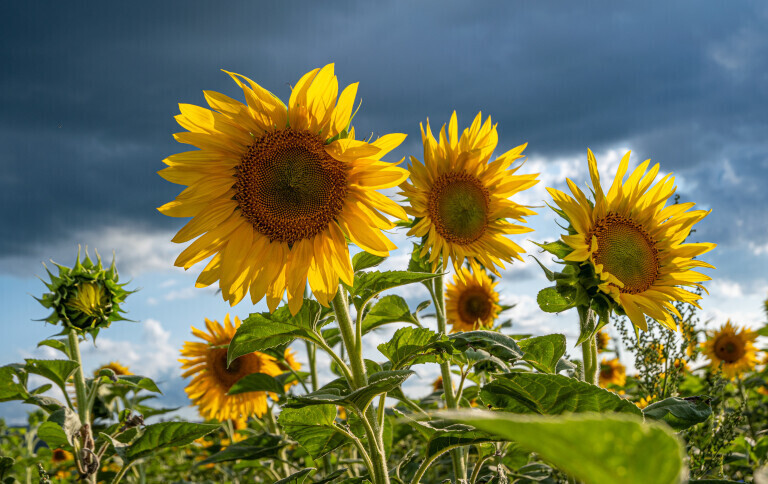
x=729, y=348
x=458, y=205
x=626, y=251
x=475, y=305
x=288, y=187
x=226, y=377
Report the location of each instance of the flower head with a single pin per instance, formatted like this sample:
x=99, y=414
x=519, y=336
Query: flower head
x=275, y=191
x=631, y=245
x=733, y=348
x=612, y=372
x=460, y=199
x=86, y=297
x=602, y=341
x=471, y=302
x=207, y=361
x=115, y=366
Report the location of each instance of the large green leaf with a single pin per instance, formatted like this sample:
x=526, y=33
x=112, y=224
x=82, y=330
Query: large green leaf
x=257, y=382
x=58, y=344
x=410, y=346
x=680, y=413
x=138, y=382
x=543, y=352
x=441, y=433
x=257, y=447
x=551, y=300
x=312, y=427
x=58, y=371
x=61, y=428
x=551, y=395
x=497, y=344
x=166, y=434
x=261, y=331
x=594, y=448
x=365, y=260
x=338, y=393
x=369, y=284
x=10, y=388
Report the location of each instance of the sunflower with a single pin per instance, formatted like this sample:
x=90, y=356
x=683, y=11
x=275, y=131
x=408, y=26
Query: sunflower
x=207, y=361
x=437, y=385
x=634, y=243
x=60, y=455
x=471, y=302
x=733, y=348
x=602, y=340
x=612, y=373
x=645, y=401
x=115, y=367
x=275, y=190
x=460, y=199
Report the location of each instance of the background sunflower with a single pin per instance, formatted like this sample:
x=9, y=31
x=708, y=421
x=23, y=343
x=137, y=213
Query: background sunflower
x=733, y=348
x=471, y=302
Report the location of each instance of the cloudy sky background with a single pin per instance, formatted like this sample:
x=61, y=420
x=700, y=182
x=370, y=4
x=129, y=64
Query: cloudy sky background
x=89, y=92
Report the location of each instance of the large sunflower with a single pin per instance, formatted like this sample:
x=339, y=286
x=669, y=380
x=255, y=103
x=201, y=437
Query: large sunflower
x=471, y=302
x=460, y=199
x=207, y=361
x=733, y=348
x=634, y=243
x=275, y=190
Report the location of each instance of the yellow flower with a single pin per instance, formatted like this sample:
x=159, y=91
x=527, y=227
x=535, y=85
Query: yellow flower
x=733, y=348
x=114, y=366
x=602, y=340
x=437, y=385
x=60, y=455
x=460, y=199
x=207, y=361
x=634, y=243
x=341, y=412
x=471, y=302
x=276, y=190
x=645, y=401
x=612, y=373
x=763, y=389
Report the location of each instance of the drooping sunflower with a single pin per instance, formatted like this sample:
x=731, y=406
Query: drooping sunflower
x=732, y=347
x=460, y=199
x=275, y=190
x=612, y=372
x=634, y=243
x=471, y=302
x=114, y=366
x=207, y=361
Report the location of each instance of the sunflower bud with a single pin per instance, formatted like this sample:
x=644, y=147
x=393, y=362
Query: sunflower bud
x=86, y=297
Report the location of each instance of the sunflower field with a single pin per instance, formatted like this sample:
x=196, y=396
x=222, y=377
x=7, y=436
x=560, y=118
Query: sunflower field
x=288, y=206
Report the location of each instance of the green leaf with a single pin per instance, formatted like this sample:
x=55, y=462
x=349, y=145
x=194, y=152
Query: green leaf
x=10, y=389
x=297, y=477
x=332, y=476
x=763, y=331
x=680, y=413
x=552, y=301
x=58, y=344
x=6, y=463
x=260, y=446
x=594, y=448
x=364, y=260
x=58, y=371
x=137, y=381
x=166, y=434
x=543, y=352
x=257, y=382
x=61, y=428
x=390, y=309
x=338, y=393
x=497, y=344
x=551, y=395
x=261, y=331
x=312, y=427
x=49, y=404
x=557, y=248
x=52, y=434
x=410, y=346
x=442, y=433
x=369, y=284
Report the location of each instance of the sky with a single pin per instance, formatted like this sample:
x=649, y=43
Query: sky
x=89, y=91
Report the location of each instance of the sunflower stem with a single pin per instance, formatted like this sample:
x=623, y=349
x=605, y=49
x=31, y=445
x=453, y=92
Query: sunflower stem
x=81, y=394
x=359, y=380
x=438, y=297
x=588, y=347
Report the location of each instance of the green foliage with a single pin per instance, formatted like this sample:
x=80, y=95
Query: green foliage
x=165, y=434
x=680, y=413
x=313, y=428
x=543, y=352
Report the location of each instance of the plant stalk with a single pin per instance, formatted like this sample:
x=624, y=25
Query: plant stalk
x=588, y=348
x=81, y=393
x=457, y=455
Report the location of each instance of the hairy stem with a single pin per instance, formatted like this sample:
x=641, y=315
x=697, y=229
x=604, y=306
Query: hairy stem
x=588, y=347
x=81, y=393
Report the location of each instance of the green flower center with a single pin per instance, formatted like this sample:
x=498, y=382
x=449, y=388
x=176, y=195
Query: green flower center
x=458, y=205
x=288, y=187
x=729, y=348
x=626, y=251
x=475, y=305
x=90, y=299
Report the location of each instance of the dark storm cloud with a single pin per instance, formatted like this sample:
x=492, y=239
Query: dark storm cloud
x=89, y=91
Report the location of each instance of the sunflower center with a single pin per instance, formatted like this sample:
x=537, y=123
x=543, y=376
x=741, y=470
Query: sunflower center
x=226, y=377
x=458, y=205
x=475, y=305
x=729, y=348
x=626, y=251
x=288, y=187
